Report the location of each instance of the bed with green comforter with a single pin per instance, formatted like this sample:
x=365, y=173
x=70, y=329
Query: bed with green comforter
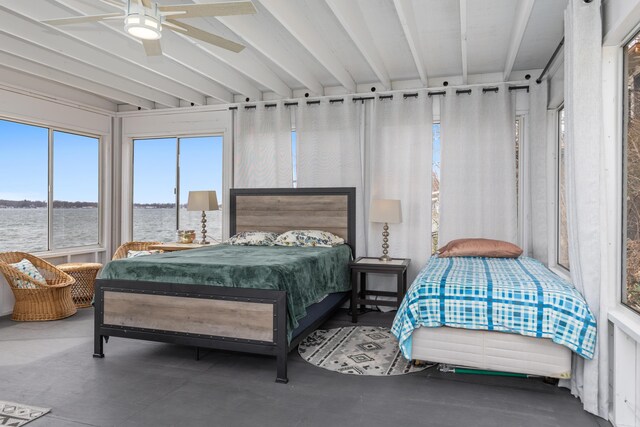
x=306, y=273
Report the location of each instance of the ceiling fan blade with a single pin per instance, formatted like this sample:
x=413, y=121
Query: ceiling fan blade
x=204, y=36
x=81, y=19
x=213, y=9
x=147, y=3
x=152, y=47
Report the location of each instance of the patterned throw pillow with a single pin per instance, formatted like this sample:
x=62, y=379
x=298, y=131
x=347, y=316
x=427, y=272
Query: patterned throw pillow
x=253, y=238
x=30, y=270
x=309, y=238
x=135, y=254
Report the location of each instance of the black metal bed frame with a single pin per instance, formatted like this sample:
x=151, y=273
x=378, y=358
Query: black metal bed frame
x=278, y=347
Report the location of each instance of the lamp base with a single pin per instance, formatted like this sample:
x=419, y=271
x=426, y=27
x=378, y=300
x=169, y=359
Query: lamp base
x=204, y=241
x=385, y=244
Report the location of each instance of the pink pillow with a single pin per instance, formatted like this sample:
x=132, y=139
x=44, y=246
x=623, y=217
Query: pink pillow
x=480, y=247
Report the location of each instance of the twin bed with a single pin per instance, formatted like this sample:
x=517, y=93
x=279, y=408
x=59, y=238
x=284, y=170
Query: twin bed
x=504, y=314
x=251, y=299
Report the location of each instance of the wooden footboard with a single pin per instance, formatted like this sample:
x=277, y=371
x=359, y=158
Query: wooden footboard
x=247, y=320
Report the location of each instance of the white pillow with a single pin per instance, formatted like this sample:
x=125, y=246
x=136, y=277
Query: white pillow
x=135, y=254
x=253, y=238
x=30, y=270
x=309, y=238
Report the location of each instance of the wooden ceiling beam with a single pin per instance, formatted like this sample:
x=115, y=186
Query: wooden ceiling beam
x=245, y=63
x=180, y=49
x=35, y=69
x=253, y=36
x=119, y=56
x=523, y=13
x=53, y=59
x=350, y=17
x=404, y=10
x=296, y=23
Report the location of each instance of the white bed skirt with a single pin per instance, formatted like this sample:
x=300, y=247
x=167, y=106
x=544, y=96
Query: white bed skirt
x=496, y=351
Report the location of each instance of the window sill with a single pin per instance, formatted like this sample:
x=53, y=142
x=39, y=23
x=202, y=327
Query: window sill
x=562, y=272
x=70, y=251
x=627, y=320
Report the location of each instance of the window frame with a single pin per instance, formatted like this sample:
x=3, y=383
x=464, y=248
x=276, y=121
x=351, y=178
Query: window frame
x=438, y=244
x=176, y=188
x=51, y=129
x=523, y=181
x=555, y=252
x=622, y=290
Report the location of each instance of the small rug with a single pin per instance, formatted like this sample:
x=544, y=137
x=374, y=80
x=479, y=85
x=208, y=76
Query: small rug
x=357, y=350
x=17, y=414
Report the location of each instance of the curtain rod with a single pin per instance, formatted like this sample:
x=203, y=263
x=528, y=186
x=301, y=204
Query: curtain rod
x=553, y=57
x=383, y=97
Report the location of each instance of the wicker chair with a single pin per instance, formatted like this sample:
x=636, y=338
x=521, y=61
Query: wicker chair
x=132, y=246
x=45, y=301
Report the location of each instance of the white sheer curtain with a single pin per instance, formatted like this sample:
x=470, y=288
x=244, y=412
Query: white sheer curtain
x=400, y=157
x=262, y=147
x=329, y=150
x=536, y=149
x=478, y=184
x=583, y=127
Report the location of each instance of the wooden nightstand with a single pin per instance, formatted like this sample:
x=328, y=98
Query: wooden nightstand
x=172, y=247
x=363, y=265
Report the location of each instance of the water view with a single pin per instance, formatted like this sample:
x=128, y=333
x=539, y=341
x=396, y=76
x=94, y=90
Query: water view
x=25, y=229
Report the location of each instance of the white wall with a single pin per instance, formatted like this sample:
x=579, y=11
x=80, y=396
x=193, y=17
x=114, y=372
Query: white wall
x=36, y=108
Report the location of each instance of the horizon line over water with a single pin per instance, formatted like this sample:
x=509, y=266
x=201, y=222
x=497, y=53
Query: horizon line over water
x=34, y=204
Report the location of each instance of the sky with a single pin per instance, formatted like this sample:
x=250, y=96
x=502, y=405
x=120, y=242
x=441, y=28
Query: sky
x=24, y=170
x=24, y=158
x=24, y=164
x=155, y=165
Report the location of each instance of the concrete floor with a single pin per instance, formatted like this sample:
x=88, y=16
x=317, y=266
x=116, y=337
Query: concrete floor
x=152, y=384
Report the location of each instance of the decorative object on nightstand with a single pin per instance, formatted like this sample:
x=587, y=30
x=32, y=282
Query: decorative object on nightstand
x=185, y=236
x=387, y=211
x=203, y=201
x=359, y=293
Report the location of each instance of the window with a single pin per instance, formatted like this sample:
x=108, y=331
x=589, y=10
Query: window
x=435, y=176
x=631, y=178
x=294, y=158
x=49, y=188
x=562, y=251
x=519, y=128
x=76, y=181
x=435, y=187
x=164, y=171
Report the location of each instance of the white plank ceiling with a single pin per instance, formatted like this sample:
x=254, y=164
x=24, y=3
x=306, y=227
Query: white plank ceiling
x=294, y=47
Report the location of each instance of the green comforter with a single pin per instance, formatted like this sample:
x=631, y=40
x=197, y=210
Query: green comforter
x=306, y=273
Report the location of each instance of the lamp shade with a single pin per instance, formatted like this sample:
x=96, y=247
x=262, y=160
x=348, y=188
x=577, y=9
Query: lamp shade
x=385, y=210
x=202, y=201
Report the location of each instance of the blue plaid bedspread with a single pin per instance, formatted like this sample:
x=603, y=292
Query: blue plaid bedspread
x=496, y=294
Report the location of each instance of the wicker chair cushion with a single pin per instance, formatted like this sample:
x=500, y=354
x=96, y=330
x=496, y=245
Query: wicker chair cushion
x=30, y=270
x=134, y=254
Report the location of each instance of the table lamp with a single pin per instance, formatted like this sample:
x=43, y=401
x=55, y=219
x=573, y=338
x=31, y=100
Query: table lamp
x=203, y=201
x=389, y=212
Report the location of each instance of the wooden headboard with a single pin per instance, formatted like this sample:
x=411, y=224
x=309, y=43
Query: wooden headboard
x=284, y=209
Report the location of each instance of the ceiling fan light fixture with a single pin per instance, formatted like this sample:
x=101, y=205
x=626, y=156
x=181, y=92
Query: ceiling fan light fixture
x=143, y=26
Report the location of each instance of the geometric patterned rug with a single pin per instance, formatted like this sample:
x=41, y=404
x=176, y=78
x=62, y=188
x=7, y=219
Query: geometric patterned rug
x=16, y=414
x=357, y=350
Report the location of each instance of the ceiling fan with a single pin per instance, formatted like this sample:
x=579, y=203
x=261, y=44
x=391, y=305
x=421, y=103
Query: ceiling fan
x=145, y=20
